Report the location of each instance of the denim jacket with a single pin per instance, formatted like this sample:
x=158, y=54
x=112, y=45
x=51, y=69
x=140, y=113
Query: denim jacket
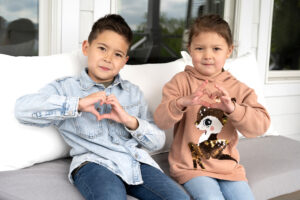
x=105, y=142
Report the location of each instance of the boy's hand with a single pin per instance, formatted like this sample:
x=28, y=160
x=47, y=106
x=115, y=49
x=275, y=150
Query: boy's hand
x=223, y=100
x=194, y=98
x=118, y=114
x=87, y=104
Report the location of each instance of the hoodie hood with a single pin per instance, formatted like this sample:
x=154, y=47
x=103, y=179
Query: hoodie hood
x=220, y=77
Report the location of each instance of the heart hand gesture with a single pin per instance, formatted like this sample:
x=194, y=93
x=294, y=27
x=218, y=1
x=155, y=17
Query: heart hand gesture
x=118, y=114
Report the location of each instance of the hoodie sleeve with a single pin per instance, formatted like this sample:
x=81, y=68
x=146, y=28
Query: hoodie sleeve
x=249, y=117
x=167, y=113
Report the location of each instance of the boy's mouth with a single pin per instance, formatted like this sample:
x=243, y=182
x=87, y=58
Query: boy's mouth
x=104, y=68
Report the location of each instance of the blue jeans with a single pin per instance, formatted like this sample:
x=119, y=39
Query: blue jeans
x=96, y=182
x=207, y=188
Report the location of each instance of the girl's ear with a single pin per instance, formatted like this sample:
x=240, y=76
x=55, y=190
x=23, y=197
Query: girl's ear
x=85, y=47
x=230, y=50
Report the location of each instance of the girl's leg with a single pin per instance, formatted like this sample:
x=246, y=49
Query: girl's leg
x=236, y=190
x=156, y=186
x=96, y=182
x=204, y=188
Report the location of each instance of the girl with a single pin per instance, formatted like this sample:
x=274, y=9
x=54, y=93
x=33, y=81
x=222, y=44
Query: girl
x=207, y=105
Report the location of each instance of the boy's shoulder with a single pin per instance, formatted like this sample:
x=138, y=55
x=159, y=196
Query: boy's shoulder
x=66, y=78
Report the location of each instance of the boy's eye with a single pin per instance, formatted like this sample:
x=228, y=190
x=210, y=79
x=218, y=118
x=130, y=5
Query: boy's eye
x=199, y=48
x=119, y=55
x=102, y=48
x=217, y=49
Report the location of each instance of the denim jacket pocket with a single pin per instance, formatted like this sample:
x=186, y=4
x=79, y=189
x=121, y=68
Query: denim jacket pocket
x=87, y=126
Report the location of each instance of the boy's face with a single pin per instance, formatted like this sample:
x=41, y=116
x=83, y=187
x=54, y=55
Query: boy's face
x=107, y=55
x=209, y=52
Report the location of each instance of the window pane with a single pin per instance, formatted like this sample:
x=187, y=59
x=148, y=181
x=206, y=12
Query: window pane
x=285, y=41
x=160, y=27
x=19, y=27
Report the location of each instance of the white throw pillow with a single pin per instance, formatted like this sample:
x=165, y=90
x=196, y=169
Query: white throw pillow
x=21, y=145
x=245, y=69
x=151, y=78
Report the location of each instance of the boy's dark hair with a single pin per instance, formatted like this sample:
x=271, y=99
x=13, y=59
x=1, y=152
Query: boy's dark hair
x=211, y=23
x=111, y=22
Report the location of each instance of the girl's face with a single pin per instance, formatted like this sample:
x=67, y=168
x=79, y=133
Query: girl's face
x=209, y=52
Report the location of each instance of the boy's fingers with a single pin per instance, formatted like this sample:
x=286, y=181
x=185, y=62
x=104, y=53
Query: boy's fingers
x=96, y=113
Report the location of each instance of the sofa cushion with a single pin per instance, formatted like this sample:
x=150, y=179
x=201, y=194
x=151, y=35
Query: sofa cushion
x=21, y=145
x=272, y=165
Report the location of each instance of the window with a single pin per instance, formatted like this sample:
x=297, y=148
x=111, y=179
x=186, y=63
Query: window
x=19, y=27
x=284, y=61
x=285, y=42
x=160, y=27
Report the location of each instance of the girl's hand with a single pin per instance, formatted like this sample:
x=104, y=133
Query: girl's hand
x=194, y=98
x=223, y=100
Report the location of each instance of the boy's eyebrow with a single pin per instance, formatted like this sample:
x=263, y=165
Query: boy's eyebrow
x=119, y=51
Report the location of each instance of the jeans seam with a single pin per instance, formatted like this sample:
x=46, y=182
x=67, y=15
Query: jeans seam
x=157, y=194
x=86, y=187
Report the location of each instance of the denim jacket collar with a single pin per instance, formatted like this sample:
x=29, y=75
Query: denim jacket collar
x=86, y=82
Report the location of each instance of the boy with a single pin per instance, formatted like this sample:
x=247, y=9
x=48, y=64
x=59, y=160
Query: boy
x=105, y=120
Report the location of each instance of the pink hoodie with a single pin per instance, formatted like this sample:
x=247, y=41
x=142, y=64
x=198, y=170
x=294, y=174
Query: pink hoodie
x=205, y=140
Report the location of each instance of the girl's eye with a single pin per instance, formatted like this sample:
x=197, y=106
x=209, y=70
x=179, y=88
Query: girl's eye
x=199, y=48
x=217, y=49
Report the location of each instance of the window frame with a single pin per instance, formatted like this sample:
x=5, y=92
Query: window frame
x=264, y=51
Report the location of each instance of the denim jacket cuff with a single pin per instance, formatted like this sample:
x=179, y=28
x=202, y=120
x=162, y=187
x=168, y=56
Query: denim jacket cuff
x=71, y=107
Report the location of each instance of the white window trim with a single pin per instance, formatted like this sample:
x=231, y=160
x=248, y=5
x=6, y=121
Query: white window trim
x=58, y=26
x=285, y=84
x=263, y=53
x=49, y=27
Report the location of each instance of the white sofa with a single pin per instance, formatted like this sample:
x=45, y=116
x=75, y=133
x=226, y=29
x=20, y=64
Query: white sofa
x=34, y=161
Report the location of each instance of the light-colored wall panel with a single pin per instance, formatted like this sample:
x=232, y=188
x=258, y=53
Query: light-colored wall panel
x=87, y=5
x=86, y=23
x=70, y=25
x=283, y=105
x=287, y=124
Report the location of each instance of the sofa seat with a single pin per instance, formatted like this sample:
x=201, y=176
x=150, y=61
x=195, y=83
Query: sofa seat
x=271, y=164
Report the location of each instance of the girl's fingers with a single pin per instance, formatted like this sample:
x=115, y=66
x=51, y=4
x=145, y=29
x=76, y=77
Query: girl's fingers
x=222, y=90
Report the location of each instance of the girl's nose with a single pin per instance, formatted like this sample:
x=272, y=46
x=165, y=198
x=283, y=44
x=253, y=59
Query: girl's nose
x=207, y=54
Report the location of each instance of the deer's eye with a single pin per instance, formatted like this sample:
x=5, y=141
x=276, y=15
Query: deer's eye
x=207, y=122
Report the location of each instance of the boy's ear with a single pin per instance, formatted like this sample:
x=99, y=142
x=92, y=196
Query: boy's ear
x=85, y=47
x=126, y=59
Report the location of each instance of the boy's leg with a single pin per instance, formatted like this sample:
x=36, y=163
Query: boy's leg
x=96, y=182
x=234, y=190
x=156, y=186
x=204, y=188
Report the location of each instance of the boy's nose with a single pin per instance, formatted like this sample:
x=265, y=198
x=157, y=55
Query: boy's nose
x=107, y=57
